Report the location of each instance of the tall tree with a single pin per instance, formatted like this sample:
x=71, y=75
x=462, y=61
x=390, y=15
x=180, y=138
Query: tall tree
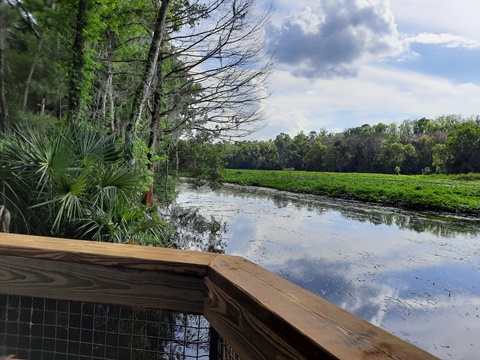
x=463, y=147
x=215, y=75
x=209, y=72
x=40, y=36
x=152, y=62
x=77, y=71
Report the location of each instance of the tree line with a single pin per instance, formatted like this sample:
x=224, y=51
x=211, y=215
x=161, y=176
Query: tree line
x=95, y=96
x=447, y=144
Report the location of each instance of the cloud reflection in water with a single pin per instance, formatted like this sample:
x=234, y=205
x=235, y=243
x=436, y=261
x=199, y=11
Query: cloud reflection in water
x=413, y=274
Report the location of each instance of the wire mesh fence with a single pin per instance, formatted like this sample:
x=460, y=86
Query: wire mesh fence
x=37, y=328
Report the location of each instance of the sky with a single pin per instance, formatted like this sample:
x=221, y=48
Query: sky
x=344, y=63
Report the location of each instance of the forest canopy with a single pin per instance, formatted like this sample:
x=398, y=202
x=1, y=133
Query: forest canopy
x=447, y=144
x=97, y=95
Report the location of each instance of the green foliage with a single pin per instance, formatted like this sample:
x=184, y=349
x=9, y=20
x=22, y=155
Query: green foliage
x=435, y=192
x=463, y=148
x=165, y=176
x=28, y=119
x=448, y=144
x=254, y=155
x=467, y=177
x=70, y=181
x=201, y=159
x=440, y=158
x=166, y=186
x=143, y=157
x=313, y=159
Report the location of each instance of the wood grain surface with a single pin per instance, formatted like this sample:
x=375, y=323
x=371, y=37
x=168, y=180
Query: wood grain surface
x=100, y=284
x=107, y=254
x=266, y=317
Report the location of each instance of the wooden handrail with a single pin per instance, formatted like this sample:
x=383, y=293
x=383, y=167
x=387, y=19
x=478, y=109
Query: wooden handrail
x=261, y=315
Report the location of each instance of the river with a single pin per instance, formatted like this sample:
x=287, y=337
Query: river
x=416, y=275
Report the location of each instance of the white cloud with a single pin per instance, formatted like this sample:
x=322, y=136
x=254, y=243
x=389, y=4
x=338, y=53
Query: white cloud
x=332, y=38
x=449, y=40
x=308, y=21
x=459, y=17
x=377, y=94
x=330, y=71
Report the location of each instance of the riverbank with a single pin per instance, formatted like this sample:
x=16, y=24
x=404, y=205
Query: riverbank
x=442, y=193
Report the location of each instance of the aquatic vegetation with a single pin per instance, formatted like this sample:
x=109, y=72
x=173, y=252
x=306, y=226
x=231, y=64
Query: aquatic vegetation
x=443, y=193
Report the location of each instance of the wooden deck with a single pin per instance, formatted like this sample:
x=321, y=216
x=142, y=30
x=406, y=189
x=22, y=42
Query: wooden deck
x=261, y=315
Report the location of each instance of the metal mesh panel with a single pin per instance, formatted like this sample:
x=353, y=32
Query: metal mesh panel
x=36, y=328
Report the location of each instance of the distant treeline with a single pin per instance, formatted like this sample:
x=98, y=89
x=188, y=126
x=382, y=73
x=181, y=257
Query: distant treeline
x=447, y=144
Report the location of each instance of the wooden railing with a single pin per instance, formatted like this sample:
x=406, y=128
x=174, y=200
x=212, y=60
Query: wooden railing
x=259, y=314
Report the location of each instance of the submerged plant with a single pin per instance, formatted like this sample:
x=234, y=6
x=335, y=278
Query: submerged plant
x=196, y=232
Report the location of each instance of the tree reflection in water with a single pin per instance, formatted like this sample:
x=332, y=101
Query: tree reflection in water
x=444, y=225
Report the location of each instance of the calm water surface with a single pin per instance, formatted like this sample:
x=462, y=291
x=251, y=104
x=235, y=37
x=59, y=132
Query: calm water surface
x=415, y=275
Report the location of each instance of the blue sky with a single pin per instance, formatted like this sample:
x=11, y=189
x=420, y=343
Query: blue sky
x=345, y=63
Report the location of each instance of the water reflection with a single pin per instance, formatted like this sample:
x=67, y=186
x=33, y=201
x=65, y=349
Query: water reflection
x=412, y=274
x=437, y=224
x=328, y=279
x=430, y=307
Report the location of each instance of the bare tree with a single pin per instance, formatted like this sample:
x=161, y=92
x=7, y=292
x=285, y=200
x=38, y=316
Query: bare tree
x=225, y=56
x=144, y=89
x=211, y=71
x=209, y=65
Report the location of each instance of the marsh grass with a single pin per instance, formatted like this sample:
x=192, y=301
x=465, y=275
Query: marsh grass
x=458, y=194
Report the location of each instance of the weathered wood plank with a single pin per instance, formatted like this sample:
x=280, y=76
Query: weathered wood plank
x=100, y=284
x=266, y=317
x=107, y=254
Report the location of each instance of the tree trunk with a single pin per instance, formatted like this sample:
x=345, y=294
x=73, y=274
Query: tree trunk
x=3, y=45
x=4, y=219
x=32, y=70
x=42, y=106
x=111, y=103
x=152, y=66
x=108, y=106
x=177, y=160
x=26, y=91
x=154, y=134
x=78, y=63
x=143, y=90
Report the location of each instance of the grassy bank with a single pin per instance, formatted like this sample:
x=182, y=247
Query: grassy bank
x=455, y=194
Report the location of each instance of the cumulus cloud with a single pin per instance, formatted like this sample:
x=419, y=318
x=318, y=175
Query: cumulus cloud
x=448, y=40
x=333, y=37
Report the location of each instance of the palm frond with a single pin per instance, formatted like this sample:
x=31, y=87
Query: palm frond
x=116, y=182
x=69, y=200
x=92, y=146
